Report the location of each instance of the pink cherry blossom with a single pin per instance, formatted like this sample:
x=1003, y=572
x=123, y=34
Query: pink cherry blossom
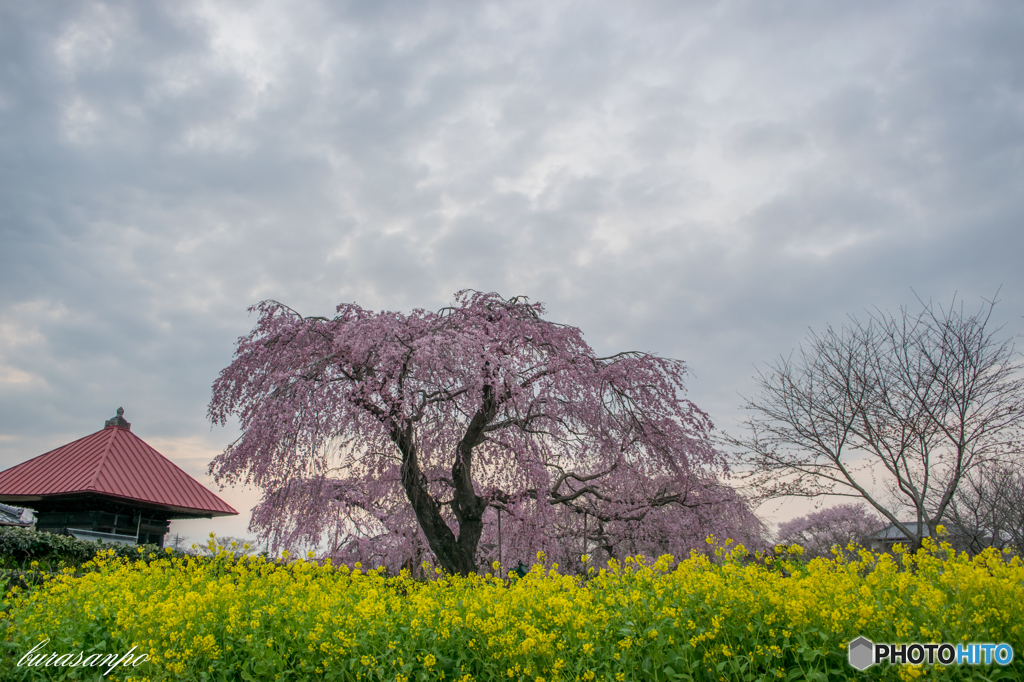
x=820, y=531
x=398, y=438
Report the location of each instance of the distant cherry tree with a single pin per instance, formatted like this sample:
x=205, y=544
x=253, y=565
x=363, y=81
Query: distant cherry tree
x=818, y=532
x=407, y=437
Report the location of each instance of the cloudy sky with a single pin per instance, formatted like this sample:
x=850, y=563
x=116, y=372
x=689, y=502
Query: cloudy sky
x=703, y=180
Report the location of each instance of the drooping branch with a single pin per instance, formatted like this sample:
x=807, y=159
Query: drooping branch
x=446, y=409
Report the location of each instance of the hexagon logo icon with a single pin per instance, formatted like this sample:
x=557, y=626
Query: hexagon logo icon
x=861, y=653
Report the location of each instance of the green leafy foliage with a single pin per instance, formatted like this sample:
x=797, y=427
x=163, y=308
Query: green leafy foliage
x=28, y=557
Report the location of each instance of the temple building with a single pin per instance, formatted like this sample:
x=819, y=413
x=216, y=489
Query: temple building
x=109, y=486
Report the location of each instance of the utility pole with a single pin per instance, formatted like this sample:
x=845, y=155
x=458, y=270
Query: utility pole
x=584, y=537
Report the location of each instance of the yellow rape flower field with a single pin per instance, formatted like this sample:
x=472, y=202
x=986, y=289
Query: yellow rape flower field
x=728, y=617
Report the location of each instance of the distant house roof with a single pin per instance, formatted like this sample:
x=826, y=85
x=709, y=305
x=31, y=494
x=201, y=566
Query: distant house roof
x=107, y=538
x=12, y=516
x=113, y=463
x=891, y=532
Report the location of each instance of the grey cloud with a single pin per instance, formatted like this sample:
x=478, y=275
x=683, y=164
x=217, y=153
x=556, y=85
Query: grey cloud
x=704, y=181
x=767, y=138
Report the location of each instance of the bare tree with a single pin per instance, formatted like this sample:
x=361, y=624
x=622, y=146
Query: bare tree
x=896, y=409
x=988, y=511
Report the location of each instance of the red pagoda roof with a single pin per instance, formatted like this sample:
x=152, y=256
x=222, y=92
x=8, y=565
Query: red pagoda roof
x=113, y=463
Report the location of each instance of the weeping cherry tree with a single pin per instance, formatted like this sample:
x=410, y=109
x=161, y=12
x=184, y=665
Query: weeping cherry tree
x=402, y=436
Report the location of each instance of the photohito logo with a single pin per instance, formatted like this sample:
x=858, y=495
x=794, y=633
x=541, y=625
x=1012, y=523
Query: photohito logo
x=863, y=653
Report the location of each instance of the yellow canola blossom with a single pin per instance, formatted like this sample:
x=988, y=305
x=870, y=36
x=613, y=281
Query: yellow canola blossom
x=729, y=616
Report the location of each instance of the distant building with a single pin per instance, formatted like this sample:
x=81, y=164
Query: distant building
x=883, y=540
x=14, y=516
x=961, y=539
x=109, y=485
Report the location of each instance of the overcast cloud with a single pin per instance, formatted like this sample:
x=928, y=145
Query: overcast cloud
x=701, y=180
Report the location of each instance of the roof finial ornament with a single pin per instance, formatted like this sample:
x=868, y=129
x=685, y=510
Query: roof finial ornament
x=118, y=420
